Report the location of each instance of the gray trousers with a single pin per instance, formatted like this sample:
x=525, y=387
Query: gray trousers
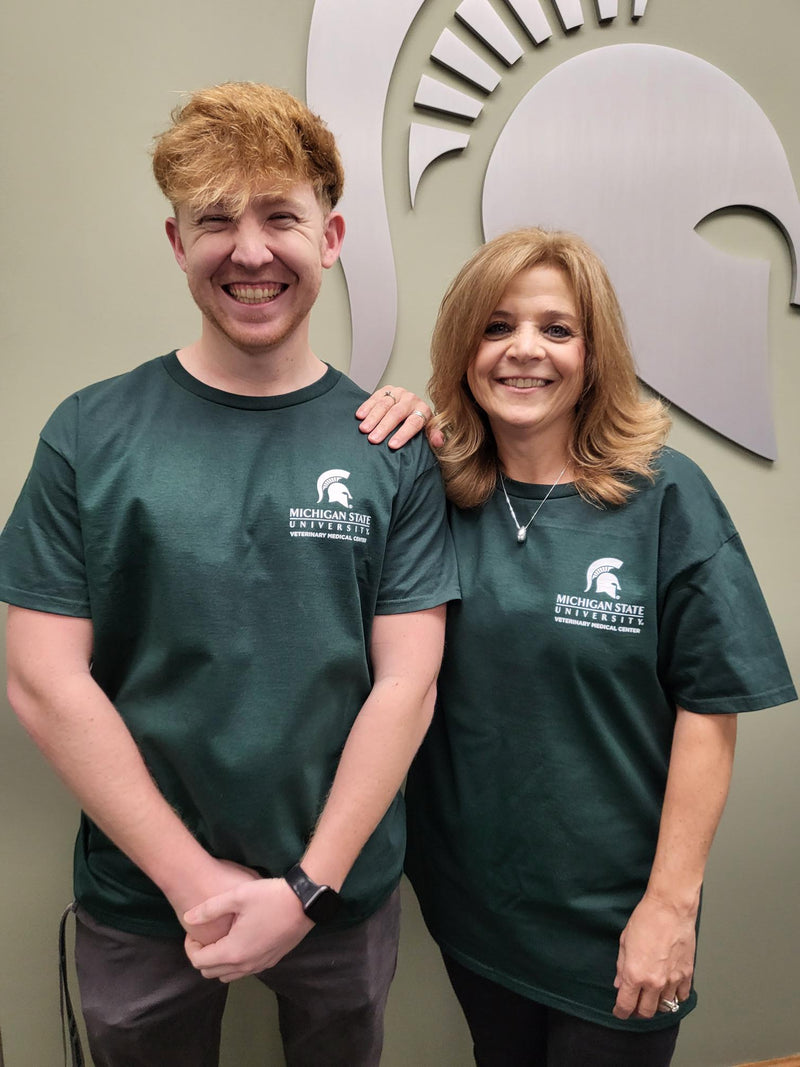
x=146, y=1006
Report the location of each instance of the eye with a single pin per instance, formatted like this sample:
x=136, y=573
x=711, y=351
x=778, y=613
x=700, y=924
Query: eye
x=283, y=218
x=497, y=329
x=213, y=220
x=558, y=331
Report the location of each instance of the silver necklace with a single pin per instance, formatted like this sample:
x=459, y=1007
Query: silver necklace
x=522, y=531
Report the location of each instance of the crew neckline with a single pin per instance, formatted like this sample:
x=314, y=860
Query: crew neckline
x=534, y=491
x=175, y=369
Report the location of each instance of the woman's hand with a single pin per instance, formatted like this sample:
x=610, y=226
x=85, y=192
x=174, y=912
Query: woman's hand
x=656, y=955
x=656, y=958
x=391, y=407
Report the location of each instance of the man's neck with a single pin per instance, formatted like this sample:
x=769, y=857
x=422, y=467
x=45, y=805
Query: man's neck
x=270, y=372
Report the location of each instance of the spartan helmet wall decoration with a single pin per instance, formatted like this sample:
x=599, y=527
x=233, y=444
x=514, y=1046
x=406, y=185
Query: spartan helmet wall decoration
x=629, y=145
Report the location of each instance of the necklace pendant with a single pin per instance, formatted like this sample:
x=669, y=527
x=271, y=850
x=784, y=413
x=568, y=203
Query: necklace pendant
x=522, y=535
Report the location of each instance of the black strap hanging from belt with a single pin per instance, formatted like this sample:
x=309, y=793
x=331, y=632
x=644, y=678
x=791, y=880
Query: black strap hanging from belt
x=69, y=1027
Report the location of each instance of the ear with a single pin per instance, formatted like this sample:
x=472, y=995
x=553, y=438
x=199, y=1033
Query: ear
x=332, y=237
x=174, y=237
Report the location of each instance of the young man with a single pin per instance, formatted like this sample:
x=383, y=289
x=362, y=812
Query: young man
x=227, y=618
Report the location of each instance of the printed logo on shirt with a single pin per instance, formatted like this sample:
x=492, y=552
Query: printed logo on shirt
x=332, y=517
x=605, y=608
x=600, y=574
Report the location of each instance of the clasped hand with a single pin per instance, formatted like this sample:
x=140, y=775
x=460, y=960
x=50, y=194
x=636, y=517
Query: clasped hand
x=266, y=920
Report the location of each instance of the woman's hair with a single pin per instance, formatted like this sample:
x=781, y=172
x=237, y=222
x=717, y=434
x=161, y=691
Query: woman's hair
x=616, y=433
x=228, y=142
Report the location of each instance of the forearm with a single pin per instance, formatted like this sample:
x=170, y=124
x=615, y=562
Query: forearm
x=81, y=734
x=374, y=762
x=406, y=652
x=656, y=956
x=699, y=776
x=268, y=920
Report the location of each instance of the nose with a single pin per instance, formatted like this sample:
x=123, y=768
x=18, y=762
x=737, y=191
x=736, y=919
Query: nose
x=251, y=247
x=527, y=342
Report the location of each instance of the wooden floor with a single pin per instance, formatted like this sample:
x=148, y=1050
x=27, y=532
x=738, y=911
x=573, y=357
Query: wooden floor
x=787, y=1061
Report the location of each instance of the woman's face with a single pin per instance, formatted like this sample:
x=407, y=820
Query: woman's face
x=527, y=374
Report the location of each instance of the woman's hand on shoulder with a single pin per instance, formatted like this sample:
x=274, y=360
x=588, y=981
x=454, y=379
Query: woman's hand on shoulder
x=393, y=408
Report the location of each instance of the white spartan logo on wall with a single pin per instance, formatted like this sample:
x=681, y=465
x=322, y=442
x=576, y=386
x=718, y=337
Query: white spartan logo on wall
x=632, y=145
x=601, y=573
x=331, y=483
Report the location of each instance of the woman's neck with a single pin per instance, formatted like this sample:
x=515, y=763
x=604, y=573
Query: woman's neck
x=539, y=466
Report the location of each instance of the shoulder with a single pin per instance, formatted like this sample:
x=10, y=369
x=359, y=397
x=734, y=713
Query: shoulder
x=693, y=521
x=685, y=487
x=130, y=382
x=100, y=400
x=675, y=468
x=347, y=388
x=414, y=458
x=678, y=483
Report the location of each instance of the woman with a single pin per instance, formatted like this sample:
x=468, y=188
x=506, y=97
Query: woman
x=562, y=806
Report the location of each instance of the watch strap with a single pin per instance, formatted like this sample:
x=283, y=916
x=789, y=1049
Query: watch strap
x=320, y=902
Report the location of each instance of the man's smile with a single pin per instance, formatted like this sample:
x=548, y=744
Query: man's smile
x=254, y=294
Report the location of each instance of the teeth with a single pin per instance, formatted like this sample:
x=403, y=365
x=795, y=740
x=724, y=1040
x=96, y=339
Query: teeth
x=525, y=383
x=247, y=294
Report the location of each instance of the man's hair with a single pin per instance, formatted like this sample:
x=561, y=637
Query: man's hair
x=228, y=143
x=617, y=433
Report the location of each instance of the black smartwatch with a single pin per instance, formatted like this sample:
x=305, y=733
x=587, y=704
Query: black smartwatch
x=320, y=902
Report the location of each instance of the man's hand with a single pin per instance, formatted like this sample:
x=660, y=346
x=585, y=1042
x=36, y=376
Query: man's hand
x=219, y=879
x=656, y=958
x=392, y=406
x=265, y=920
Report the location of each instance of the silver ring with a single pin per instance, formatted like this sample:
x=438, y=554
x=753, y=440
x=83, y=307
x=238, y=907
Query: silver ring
x=669, y=1005
x=421, y=414
x=388, y=392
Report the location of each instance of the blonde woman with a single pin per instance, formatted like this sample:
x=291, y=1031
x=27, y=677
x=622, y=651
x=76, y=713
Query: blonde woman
x=562, y=807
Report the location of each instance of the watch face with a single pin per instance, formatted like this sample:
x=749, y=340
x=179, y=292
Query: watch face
x=324, y=905
x=320, y=902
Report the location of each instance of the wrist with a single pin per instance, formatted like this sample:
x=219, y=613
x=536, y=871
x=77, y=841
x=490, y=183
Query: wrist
x=320, y=902
x=681, y=898
x=327, y=862
x=189, y=881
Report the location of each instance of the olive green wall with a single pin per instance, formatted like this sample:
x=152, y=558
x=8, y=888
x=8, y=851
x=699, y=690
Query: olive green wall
x=90, y=289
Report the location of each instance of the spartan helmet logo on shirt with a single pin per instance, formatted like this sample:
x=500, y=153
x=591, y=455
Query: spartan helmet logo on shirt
x=600, y=573
x=331, y=488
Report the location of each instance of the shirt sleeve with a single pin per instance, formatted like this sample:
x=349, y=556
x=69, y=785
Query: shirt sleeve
x=718, y=649
x=41, y=547
x=419, y=567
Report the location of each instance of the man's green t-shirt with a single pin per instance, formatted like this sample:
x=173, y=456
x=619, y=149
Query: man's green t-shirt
x=534, y=803
x=231, y=552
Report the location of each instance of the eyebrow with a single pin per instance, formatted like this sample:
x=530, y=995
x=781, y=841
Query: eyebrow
x=218, y=208
x=273, y=200
x=547, y=313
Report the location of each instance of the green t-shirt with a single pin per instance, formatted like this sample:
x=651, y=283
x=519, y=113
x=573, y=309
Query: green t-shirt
x=231, y=552
x=534, y=804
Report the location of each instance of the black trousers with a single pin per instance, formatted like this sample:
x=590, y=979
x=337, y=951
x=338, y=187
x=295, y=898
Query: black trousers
x=509, y=1030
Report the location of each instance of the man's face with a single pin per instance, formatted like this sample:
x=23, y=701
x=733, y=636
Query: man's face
x=255, y=278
